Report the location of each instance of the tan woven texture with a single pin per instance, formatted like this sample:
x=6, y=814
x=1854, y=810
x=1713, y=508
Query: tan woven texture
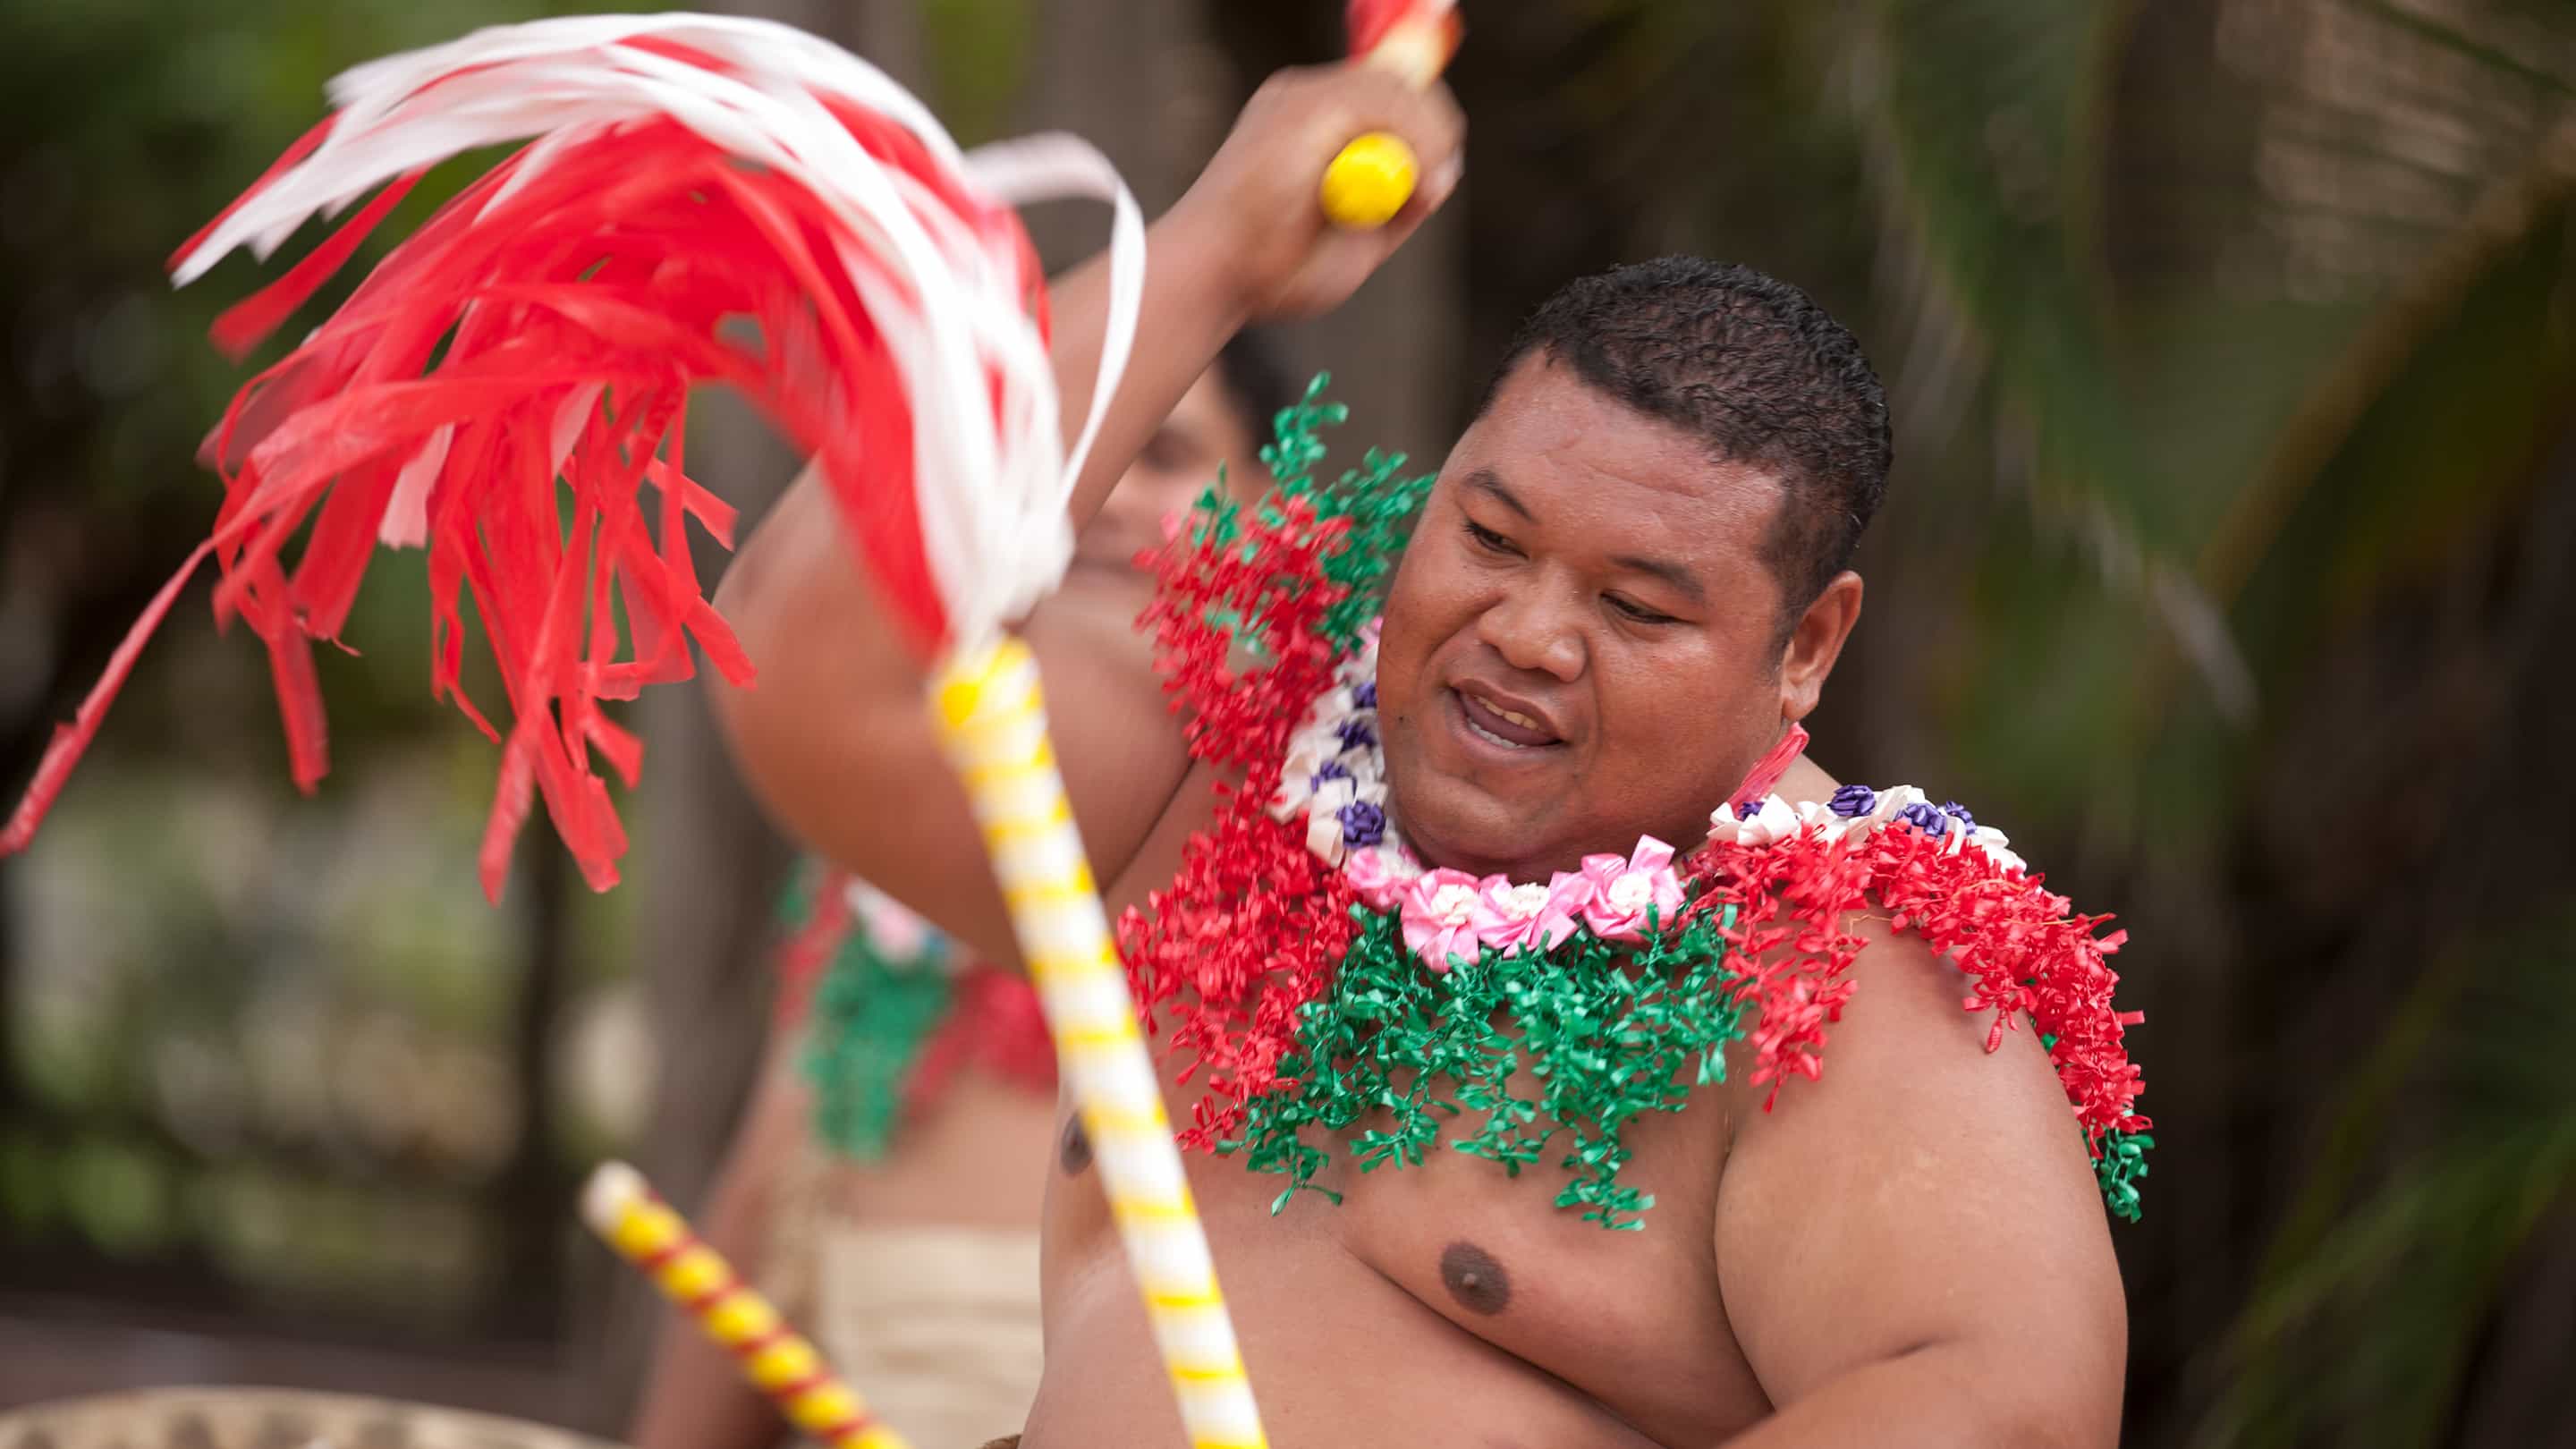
x=268, y=1419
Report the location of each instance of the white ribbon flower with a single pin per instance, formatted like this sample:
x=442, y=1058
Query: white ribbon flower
x=1775, y=821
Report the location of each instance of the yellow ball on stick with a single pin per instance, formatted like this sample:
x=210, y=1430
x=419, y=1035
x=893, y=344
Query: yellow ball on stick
x=1370, y=181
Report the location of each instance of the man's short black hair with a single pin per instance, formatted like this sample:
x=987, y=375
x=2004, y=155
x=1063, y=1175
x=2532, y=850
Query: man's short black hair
x=1256, y=381
x=1753, y=367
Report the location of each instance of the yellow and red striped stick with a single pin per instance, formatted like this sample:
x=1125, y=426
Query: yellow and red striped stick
x=645, y=1231
x=994, y=722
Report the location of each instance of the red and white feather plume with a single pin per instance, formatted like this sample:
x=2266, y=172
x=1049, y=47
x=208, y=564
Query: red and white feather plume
x=1414, y=38
x=505, y=385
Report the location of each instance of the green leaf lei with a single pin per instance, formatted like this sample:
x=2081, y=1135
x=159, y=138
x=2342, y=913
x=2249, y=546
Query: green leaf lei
x=1377, y=503
x=1594, y=1033
x=871, y=1015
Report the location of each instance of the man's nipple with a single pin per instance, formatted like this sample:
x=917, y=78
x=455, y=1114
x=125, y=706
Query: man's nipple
x=1475, y=1279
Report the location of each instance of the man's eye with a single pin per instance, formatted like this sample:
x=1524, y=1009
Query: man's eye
x=1637, y=612
x=1488, y=540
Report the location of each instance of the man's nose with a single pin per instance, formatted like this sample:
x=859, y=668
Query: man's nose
x=1534, y=630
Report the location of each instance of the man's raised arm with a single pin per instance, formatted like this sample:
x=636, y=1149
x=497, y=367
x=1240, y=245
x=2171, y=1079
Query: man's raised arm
x=834, y=737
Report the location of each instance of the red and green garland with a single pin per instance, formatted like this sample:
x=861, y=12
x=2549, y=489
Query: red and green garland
x=1312, y=973
x=891, y=1011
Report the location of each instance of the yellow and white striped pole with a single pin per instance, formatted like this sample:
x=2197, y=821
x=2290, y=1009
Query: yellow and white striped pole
x=648, y=1233
x=994, y=722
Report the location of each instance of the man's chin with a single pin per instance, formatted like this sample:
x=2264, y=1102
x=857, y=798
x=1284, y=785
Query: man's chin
x=1462, y=827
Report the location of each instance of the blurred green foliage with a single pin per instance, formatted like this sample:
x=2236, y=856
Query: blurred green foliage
x=978, y=53
x=2269, y=313
x=269, y=1044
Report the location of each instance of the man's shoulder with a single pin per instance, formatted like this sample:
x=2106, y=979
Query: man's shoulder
x=1896, y=1004
x=1950, y=982
x=1909, y=1069
x=1920, y=990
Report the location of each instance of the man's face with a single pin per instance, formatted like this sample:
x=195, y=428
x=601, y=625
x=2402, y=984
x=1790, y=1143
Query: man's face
x=1581, y=645
x=1179, y=462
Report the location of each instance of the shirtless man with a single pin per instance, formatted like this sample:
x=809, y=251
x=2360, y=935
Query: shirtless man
x=1619, y=594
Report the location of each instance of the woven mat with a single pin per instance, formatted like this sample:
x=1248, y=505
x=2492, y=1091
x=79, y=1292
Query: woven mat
x=268, y=1419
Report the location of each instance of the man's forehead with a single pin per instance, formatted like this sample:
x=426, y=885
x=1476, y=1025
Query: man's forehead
x=1550, y=437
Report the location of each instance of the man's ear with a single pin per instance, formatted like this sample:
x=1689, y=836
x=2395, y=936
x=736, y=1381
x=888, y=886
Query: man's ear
x=1815, y=643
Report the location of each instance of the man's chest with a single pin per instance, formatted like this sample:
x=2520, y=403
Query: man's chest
x=1632, y=1322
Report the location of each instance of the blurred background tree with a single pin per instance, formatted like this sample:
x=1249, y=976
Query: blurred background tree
x=269, y=1067
x=2234, y=349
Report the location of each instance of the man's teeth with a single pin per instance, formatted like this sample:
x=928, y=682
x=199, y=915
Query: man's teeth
x=1511, y=717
